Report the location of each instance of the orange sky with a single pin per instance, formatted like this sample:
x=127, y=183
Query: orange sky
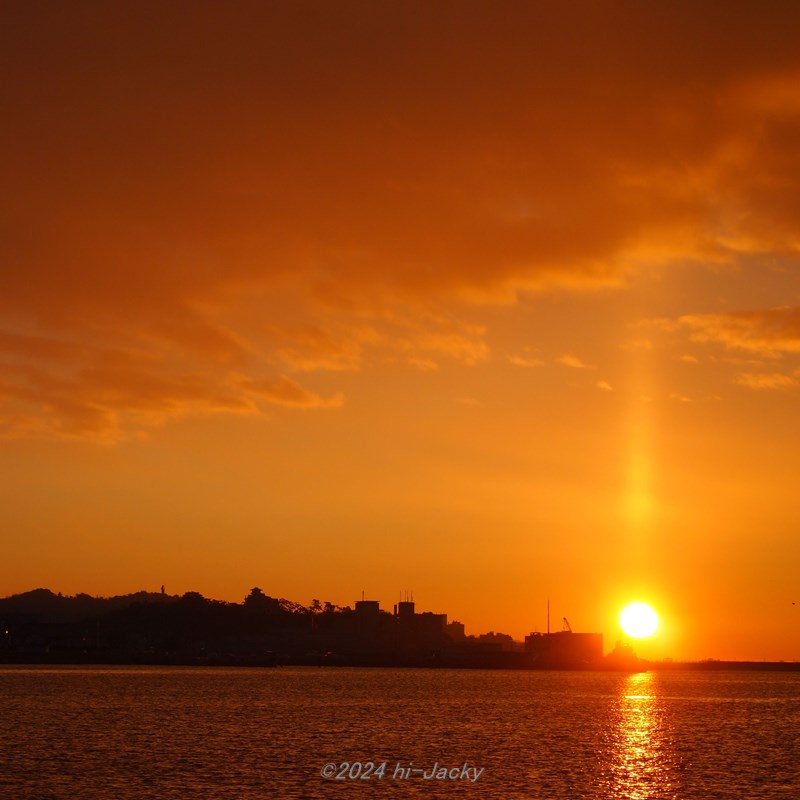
x=494, y=302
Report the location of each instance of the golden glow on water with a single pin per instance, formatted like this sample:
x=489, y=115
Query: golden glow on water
x=641, y=748
x=187, y=733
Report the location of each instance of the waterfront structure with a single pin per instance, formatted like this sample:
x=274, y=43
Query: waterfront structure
x=564, y=648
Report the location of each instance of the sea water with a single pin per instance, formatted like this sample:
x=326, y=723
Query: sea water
x=125, y=733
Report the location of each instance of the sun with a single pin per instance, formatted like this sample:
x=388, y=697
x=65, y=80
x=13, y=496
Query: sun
x=638, y=620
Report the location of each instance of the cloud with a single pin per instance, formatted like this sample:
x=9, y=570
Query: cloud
x=424, y=339
x=527, y=357
x=351, y=186
x=469, y=350
x=763, y=380
x=112, y=379
x=106, y=404
x=424, y=364
x=283, y=391
x=396, y=184
x=605, y=386
x=640, y=344
x=768, y=332
x=574, y=362
x=771, y=95
x=525, y=361
x=317, y=346
x=109, y=394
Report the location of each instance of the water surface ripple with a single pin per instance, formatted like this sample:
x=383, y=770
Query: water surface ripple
x=93, y=733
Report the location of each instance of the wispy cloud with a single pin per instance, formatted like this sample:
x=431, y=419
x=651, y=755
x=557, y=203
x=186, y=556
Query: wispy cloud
x=574, y=362
x=761, y=380
x=283, y=391
x=107, y=403
x=424, y=364
x=526, y=356
x=112, y=393
x=768, y=332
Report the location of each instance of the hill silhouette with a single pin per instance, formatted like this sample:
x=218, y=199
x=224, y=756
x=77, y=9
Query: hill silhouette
x=144, y=627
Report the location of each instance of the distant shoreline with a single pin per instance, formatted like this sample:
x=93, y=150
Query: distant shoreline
x=644, y=666
x=40, y=627
x=713, y=664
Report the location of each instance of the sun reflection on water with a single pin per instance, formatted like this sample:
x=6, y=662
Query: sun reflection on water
x=640, y=752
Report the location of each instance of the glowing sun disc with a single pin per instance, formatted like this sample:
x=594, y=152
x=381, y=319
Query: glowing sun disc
x=638, y=620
